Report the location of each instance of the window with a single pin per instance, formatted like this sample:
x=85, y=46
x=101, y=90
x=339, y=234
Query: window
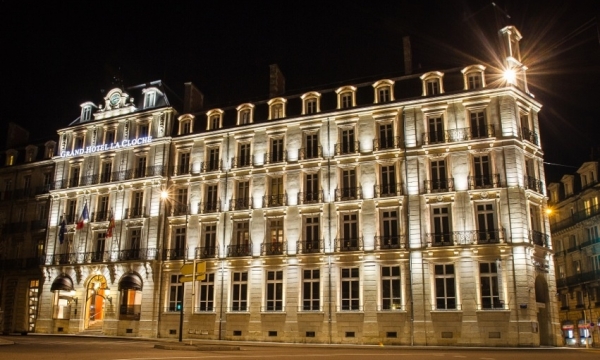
x=383, y=94
x=78, y=142
x=32, y=303
x=442, y=234
x=350, y=240
x=185, y=127
x=179, y=244
x=102, y=209
x=244, y=158
x=74, y=180
x=62, y=304
x=486, y=224
x=277, y=153
x=445, y=287
x=311, y=148
x=346, y=97
x=311, y=290
x=479, y=128
x=206, y=295
x=211, y=199
x=149, y=99
x=135, y=242
x=244, y=114
x=347, y=145
x=99, y=247
x=143, y=129
x=387, y=176
x=312, y=193
x=276, y=196
x=383, y=91
x=439, y=181
x=386, y=138
x=389, y=231
x=435, y=128
x=137, y=204
x=175, y=293
x=473, y=77
x=433, y=87
x=349, y=190
x=49, y=151
x=105, y=176
x=71, y=205
x=245, y=117
x=274, y=240
x=215, y=121
x=140, y=166
x=474, y=81
x=391, y=298
x=26, y=182
x=490, y=290
x=312, y=234
x=130, y=307
x=483, y=176
x=86, y=113
x=239, y=293
x=274, y=295
x=350, y=289
x=242, y=200
x=240, y=244
x=213, y=162
x=311, y=106
x=276, y=108
x=277, y=111
x=209, y=241
x=183, y=163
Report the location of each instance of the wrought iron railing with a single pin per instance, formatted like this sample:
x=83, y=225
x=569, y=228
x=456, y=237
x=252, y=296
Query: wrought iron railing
x=539, y=238
x=273, y=248
x=212, y=165
x=390, y=242
x=349, y=244
x=208, y=207
x=530, y=136
x=206, y=252
x=239, y=250
x=136, y=212
x=315, y=152
x=392, y=142
x=441, y=185
x=243, y=161
x=275, y=200
x=309, y=246
x=468, y=237
x=387, y=190
x=349, y=147
x=275, y=157
x=534, y=184
x=344, y=194
x=174, y=254
x=310, y=197
x=484, y=182
x=240, y=204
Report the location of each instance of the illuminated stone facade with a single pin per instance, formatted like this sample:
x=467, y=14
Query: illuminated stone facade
x=408, y=210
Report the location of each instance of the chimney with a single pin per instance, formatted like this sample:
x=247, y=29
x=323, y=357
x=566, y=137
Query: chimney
x=276, y=81
x=407, y=55
x=193, y=99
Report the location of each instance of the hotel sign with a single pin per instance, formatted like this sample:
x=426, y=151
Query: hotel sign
x=107, y=147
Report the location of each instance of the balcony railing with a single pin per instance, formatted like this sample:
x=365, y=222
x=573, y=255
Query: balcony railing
x=137, y=254
x=59, y=184
x=315, y=152
x=89, y=180
x=344, y=194
x=309, y=246
x=310, y=197
x=239, y=250
x=482, y=132
x=179, y=209
x=387, y=190
x=534, y=184
x=469, y=237
x=122, y=175
x=181, y=169
x=208, y=207
x=348, y=244
x=100, y=216
x=174, y=254
x=530, y=136
x=539, y=238
x=213, y=165
x=484, y=182
x=574, y=218
x=243, y=161
x=240, y=204
x=73, y=182
x=273, y=248
x=275, y=157
x=275, y=200
x=393, y=142
x=441, y=185
x=206, y=252
x=578, y=279
x=349, y=147
x=136, y=212
x=390, y=242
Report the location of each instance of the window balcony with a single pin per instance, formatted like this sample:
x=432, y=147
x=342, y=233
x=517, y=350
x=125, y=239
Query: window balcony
x=275, y=200
x=393, y=142
x=534, y=184
x=539, y=238
x=530, y=136
x=345, y=194
x=349, y=244
x=136, y=212
x=347, y=148
x=97, y=256
x=310, y=197
x=158, y=170
x=275, y=157
x=122, y=175
x=469, y=237
x=574, y=218
x=209, y=207
x=181, y=169
x=59, y=184
x=387, y=190
x=309, y=246
x=210, y=166
x=98, y=216
x=273, y=248
x=174, y=254
x=240, y=204
x=242, y=161
x=206, y=252
x=136, y=254
x=390, y=242
x=441, y=185
x=578, y=279
x=484, y=182
x=239, y=250
x=315, y=152
x=179, y=209
x=73, y=182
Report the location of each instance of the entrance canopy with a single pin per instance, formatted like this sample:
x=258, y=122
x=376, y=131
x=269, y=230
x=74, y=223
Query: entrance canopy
x=130, y=282
x=62, y=282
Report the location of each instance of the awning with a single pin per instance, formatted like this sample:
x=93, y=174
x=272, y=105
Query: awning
x=62, y=283
x=130, y=282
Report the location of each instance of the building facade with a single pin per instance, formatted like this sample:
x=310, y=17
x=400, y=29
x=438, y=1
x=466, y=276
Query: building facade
x=575, y=226
x=408, y=210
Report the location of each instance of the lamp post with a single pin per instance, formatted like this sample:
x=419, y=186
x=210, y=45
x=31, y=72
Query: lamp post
x=164, y=195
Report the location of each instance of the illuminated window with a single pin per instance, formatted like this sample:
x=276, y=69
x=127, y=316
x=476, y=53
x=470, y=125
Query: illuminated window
x=391, y=291
x=482, y=177
x=311, y=106
x=445, y=287
x=214, y=119
x=441, y=226
x=490, y=290
x=183, y=163
x=435, y=130
x=432, y=83
x=347, y=143
x=487, y=232
x=149, y=99
x=130, y=305
x=311, y=189
x=186, y=127
x=479, y=128
x=389, y=232
x=439, y=179
x=175, y=299
x=346, y=97
x=383, y=91
x=244, y=114
x=474, y=77
x=310, y=103
x=277, y=152
x=311, y=148
x=350, y=289
x=349, y=236
x=239, y=291
x=274, y=291
x=206, y=295
x=211, y=199
x=311, y=290
x=242, y=196
x=385, y=136
x=32, y=303
x=86, y=113
x=387, y=178
x=213, y=162
x=276, y=194
x=209, y=240
x=244, y=157
x=276, y=108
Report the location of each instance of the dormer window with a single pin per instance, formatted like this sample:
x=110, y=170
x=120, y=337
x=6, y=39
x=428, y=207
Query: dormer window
x=346, y=97
x=277, y=108
x=149, y=99
x=311, y=103
x=86, y=113
x=244, y=114
x=49, y=152
x=474, y=77
x=185, y=124
x=30, y=153
x=383, y=91
x=432, y=83
x=215, y=119
x=11, y=157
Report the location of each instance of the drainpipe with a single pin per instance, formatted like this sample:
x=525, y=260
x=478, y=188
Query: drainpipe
x=329, y=226
x=222, y=258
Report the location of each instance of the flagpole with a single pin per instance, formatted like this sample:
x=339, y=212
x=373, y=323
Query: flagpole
x=58, y=228
x=87, y=233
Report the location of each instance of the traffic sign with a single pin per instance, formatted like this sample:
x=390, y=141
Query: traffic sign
x=188, y=278
x=188, y=269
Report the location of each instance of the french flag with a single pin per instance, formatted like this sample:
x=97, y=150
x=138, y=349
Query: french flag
x=83, y=218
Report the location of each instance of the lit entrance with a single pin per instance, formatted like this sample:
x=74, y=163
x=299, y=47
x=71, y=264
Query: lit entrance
x=97, y=298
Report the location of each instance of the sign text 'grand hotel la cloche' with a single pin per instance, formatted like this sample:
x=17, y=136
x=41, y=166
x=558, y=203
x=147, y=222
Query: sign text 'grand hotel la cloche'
x=107, y=147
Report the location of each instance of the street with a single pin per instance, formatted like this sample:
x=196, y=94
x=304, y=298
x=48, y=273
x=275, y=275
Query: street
x=41, y=347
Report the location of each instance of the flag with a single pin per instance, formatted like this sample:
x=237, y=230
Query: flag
x=111, y=225
x=62, y=231
x=83, y=218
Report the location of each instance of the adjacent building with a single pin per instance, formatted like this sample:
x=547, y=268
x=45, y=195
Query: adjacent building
x=575, y=226
x=407, y=210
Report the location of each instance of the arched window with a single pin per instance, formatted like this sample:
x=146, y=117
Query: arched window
x=130, y=290
x=64, y=295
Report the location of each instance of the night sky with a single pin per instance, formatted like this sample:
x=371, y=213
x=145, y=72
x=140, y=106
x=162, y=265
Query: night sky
x=57, y=55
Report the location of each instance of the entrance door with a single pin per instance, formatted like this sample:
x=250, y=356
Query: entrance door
x=543, y=317
x=96, y=294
